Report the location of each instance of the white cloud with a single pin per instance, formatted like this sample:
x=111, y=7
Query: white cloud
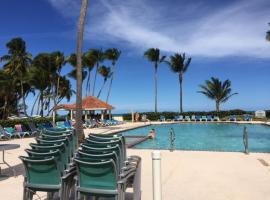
x=236, y=29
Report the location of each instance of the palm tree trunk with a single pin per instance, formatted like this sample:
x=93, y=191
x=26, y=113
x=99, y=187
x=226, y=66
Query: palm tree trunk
x=17, y=102
x=57, y=92
x=5, y=108
x=41, y=103
x=181, y=92
x=23, y=98
x=110, y=87
x=38, y=106
x=79, y=127
x=99, y=93
x=32, y=110
x=87, y=92
x=94, y=86
x=156, y=67
x=217, y=106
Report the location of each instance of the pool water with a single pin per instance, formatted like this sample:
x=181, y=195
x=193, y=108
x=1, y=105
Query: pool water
x=206, y=137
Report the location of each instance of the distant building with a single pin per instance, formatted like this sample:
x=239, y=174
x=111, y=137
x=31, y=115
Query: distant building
x=260, y=114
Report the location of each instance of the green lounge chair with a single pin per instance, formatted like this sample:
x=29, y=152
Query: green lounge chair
x=99, y=179
x=45, y=175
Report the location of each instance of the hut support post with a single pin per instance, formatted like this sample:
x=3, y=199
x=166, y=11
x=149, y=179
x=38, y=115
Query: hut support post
x=85, y=115
x=110, y=114
x=102, y=115
x=71, y=114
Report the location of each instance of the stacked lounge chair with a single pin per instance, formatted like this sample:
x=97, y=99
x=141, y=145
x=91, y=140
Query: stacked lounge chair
x=216, y=118
x=104, y=170
x=162, y=118
x=48, y=165
x=209, y=118
x=198, y=118
x=247, y=118
x=176, y=118
x=204, y=119
x=187, y=118
x=193, y=118
x=232, y=118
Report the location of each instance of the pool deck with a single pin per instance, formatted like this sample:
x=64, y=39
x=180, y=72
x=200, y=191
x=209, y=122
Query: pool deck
x=186, y=175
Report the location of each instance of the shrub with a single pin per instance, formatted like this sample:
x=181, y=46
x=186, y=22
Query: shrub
x=170, y=115
x=12, y=123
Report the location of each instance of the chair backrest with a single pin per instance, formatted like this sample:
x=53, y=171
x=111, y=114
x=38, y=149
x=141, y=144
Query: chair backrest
x=103, y=150
x=99, y=157
x=56, y=154
x=42, y=171
x=48, y=147
x=97, y=175
x=121, y=141
x=9, y=130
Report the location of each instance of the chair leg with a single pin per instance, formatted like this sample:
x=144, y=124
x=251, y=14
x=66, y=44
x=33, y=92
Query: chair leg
x=76, y=195
x=25, y=193
x=50, y=195
x=30, y=195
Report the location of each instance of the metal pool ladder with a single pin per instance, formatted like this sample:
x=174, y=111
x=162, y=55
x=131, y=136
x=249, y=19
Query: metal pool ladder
x=172, y=139
x=245, y=140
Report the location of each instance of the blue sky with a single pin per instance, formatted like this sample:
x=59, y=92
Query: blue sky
x=226, y=39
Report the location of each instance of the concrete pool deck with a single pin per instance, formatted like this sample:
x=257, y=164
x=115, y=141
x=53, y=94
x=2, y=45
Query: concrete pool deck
x=186, y=175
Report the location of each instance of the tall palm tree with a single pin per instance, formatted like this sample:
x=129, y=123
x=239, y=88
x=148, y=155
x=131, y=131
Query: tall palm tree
x=179, y=64
x=8, y=97
x=97, y=57
x=105, y=72
x=17, y=63
x=153, y=55
x=268, y=35
x=217, y=90
x=112, y=55
x=39, y=77
x=71, y=59
x=88, y=64
x=79, y=127
x=58, y=60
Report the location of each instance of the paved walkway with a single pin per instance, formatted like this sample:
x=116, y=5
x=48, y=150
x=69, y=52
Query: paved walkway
x=186, y=175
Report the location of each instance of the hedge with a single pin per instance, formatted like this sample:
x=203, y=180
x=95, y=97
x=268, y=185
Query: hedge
x=170, y=115
x=12, y=122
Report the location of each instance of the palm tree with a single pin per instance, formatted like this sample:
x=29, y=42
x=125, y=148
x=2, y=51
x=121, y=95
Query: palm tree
x=17, y=64
x=153, y=55
x=97, y=57
x=71, y=59
x=217, y=90
x=39, y=78
x=112, y=55
x=58, y=60
x=8, y=97
x=79, y=127
x=88, y=63
x=106, y=73
x=179, y=64
x=268, y=35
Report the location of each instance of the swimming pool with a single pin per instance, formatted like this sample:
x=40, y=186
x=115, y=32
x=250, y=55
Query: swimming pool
x=206, y=137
